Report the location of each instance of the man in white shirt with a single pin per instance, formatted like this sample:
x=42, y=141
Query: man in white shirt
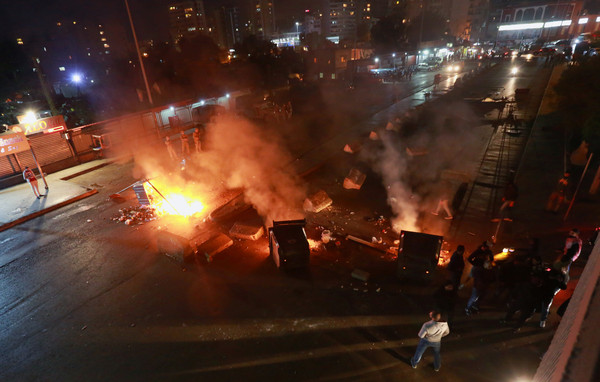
x=430, y=335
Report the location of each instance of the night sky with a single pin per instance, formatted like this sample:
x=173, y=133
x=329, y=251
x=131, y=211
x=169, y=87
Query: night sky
x=20, y=17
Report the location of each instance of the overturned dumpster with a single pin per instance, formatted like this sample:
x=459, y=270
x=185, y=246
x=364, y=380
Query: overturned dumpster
x=288, y=244
x=418, y=255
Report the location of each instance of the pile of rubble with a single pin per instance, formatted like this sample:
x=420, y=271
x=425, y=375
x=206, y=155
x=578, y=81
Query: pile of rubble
x=136, y=215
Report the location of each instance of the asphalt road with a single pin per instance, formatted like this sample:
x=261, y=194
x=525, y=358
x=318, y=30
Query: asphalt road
x=85, y=298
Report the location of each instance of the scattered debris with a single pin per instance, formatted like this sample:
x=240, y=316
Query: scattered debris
x=354, y=180
x=364, y=242
x=214, y=245
x=246, y=231
x=361, y=275
x=317, y=202
x=135, y=215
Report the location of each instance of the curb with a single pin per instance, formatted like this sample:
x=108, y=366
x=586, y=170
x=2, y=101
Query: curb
x=36, y=214
x=68, y=177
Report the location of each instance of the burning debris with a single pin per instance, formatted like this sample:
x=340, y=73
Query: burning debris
x=317, y=202
x=136, y=215
x=354, y=180
x=246, y=231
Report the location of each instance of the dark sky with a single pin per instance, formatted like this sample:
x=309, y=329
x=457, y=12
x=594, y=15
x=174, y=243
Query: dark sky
x=17, y=17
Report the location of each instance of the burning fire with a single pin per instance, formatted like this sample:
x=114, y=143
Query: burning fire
x=175, y=202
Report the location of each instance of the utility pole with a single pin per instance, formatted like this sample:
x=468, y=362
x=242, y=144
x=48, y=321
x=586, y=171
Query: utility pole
x=137, y=49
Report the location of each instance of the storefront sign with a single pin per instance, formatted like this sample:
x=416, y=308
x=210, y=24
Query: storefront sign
x=45, y=125
x=13, y=143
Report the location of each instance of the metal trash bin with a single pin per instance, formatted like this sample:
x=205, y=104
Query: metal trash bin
x=418, y=255
x=288, y=244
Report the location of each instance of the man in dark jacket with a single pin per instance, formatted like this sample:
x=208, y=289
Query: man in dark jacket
x=482, y=278
x=444, y=300
x=456, y=266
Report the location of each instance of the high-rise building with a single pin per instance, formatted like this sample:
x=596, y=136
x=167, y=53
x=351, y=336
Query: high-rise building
x=186, y=17
x=227, y=27
x=263, y=19
x=342, y=19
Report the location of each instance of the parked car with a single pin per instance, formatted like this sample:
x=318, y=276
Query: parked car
x=205, y=114
x=424, y=67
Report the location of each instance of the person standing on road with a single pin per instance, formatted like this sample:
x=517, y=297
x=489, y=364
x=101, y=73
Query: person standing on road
x=554, y=280
x=185, y=144
x=29, y=176
x=572, y=248
x=456, y=266
x=557, y=197
x=444, y=195
x=511, y=192
x=197, y=142
x=482, y=278
x=170, y=149
x=430, y=335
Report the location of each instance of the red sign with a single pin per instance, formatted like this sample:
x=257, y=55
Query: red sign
x=13, y=143
x=44, y=125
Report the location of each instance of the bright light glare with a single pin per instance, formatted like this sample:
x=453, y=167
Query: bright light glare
x=529, y=55
x=29, y=117
x=376, y=59
x=76, y=78
x=514, y=71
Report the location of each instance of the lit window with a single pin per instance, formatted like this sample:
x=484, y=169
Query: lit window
x=103, y=39
x=106, y=46
x=74, y=22
x=61, y=69
x=20, y=41
x=320, y=75
x=58, y=24
x=101, y=32
x=333, y=76
x=172, y=8
x=106, y=51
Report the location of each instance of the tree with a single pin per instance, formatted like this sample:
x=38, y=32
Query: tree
x=578, y=101
x=427, y=26
x=389, y=34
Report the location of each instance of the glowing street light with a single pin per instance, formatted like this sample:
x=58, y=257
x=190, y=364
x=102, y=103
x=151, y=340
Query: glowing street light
x=77, y=78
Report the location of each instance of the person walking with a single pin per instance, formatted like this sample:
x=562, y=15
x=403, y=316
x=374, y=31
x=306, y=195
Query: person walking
x=511, y=193
x=572, y=248
x=29, y=176
x=557, y=197
x=444, y=195
x=482, y=278
x=185, y=144
x=456, y=266
x=554, y=280
x=430, y=335
x=170, y=149
x=197, y=142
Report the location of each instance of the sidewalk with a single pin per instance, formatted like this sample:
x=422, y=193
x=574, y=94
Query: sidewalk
x=19, y=203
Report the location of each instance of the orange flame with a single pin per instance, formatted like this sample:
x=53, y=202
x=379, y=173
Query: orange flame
x=178, y=202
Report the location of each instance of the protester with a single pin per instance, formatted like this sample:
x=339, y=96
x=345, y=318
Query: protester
x=482, y=279
x=572, y=248
x=170, y=149
x=185, y=144
x=430, y=335
x=555, y=279
x=558, y=196
x=511, y=193
x=456, y=266
x=29, y=176
x=197, y=141
x=444, y=193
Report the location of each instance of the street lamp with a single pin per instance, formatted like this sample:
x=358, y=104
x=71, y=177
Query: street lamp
x=394, y=60
x=76, y=78
x=297, y=32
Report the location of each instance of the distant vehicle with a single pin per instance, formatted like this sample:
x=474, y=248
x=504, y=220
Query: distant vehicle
x=424, y=67
x=206, y=114
x=454, y=67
